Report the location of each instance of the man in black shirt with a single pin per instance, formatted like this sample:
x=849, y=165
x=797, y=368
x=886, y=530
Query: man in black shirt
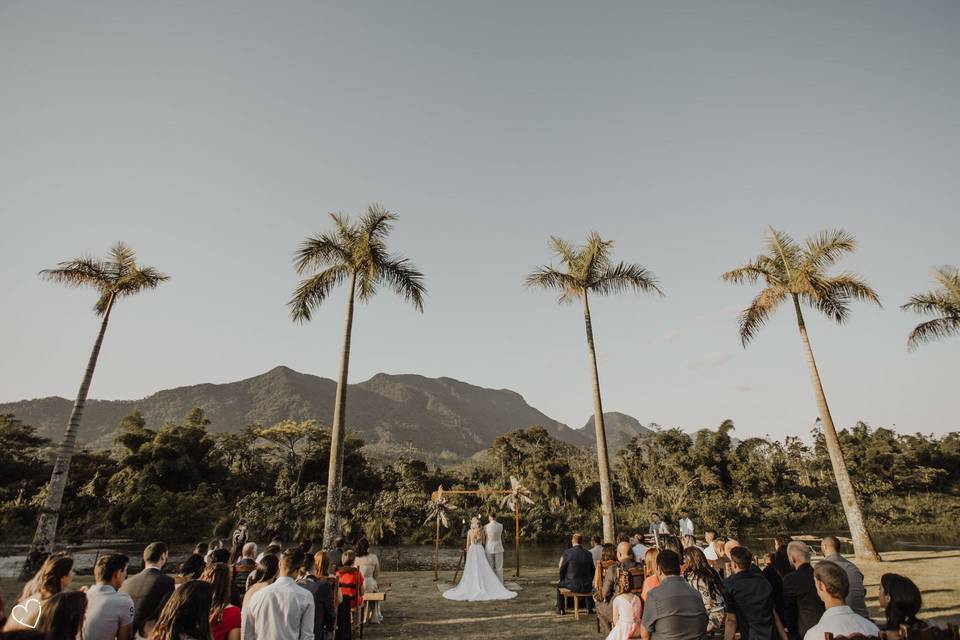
x=802, y=607
x=748, y=601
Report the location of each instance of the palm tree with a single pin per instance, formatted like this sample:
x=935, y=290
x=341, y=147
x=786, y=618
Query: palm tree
x=355, y=252
x=588, y=269
x=795, y=273
x=113, y=277
x=944, y=302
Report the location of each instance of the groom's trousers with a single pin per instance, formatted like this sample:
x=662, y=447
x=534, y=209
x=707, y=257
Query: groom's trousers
x=496, y=563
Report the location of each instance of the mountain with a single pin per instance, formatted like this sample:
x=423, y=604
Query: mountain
x=620, y=429
x=434, y=417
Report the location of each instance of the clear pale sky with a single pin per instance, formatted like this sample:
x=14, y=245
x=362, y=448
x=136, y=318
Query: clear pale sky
x=213, y=137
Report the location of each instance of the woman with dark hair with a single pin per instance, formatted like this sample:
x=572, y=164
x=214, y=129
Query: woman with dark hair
x=186, y=616
x=369, y=565
x=224, y=616
x=776, y=583
x=190, y=569
x=900, y=601
x=61, y=617
x=705, y=580
x=54, y=576
x=267, y=570
x=780, y=559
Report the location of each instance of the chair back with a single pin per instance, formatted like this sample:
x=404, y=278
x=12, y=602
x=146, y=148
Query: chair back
x=852, y=636
x=636, y=579
x=930, y=632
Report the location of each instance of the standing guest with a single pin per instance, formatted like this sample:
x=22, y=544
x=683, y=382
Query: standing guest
x=596, y=549
x=284, y=610
x=275, y=548
x=657, y=525
x=749, y=601
x=238, y=540
x=639, y=549
x=214, y=545
x=61, y=617
x=686, y=524
x=351, y=592
x=838, y=618
x=320, y=586
x=201, y=549
x=190, y=569
x=336, y=553
x=710, y=535
x=186, y=615
x=306, y=546
x=701, y=576
x=224, y=615
x=267, y=571
x=627, y=611
x=776, y=582
x=652, y=580
x=722, y=563
x=900, y=601
x=857, y=597
x=674, y=610
x=109, y=613
x=576, y=572
x=54, y=576
x=780, y=558
x=242, y=570
x=802, y=607
x=149, y=588
x=369, y=565
x=688, y=541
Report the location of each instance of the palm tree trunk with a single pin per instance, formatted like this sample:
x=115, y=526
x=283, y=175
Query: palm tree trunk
x=331, y=518
x=862, y=542
x=603, y=462
x=46, y=532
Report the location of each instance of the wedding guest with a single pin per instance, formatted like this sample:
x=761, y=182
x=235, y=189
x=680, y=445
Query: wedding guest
x=686, y=524
x=61, y=617
x=900, y=601
x=710, y=535
x=652, y=580
x=320, y=586
x=722, y=563
x=224, y=615
x=336, y=553
x=839, y=619
x=657, y=525
x=608, y=558
x=190, y=569
x=639, y=549
x=149, y=588
x=576, y=572
x=242, y=570
x=627, y=608
x=780, y=558
x=673, y=610
x=776, y=582
x=728, y=546
x=369, y=565
x=186, y=615
x=596, y=550
x=274, y=548
x=701, y=576
x=857, y=597
x=688, y=541
x=54, y=576
x=201, y=549
x=606, y=590
x=267, y=571
x=351, y=591
x=802, y=606
x=214, y=546
x=748, y=599
x=284, y=610
x=238, y=540
x=109, y=613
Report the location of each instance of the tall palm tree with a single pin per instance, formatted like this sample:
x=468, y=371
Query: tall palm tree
x=113, y=277
x=798, y=274
x=944, y=302
x=354, y=252
x=588, y=269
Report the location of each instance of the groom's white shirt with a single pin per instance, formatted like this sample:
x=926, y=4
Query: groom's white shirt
x=493, y=531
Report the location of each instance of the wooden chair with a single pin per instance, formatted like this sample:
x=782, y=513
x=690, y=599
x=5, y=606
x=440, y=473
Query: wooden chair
x=637, y=576
x=852, y=636
x=931, y=632
x=601, y=572
x=567, y=593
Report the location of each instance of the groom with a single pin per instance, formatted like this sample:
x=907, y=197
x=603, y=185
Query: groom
x=494, y=547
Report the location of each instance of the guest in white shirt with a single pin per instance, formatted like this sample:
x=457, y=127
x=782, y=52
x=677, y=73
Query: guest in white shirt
x=282, y=611
x=839, y=619
x=657, y=525
x=686, y=524
x=710, y=535
x=109, y=614
x=596, y=550
x=639, y=549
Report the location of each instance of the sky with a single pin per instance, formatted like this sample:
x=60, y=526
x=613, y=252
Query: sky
x=214, y=137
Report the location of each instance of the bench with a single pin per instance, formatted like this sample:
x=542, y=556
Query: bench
x=567, y=593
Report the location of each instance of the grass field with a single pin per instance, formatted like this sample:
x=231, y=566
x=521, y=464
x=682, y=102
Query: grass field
x=415, y=609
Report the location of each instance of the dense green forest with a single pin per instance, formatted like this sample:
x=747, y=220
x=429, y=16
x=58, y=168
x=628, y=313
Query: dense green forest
x=182, y=483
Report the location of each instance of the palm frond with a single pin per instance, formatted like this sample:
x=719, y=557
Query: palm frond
x=949, y=278
x=319, y=251
x=547, y=277
x=852, y=286
x=624, y=277
x=401, y=276
x=750, y=273
x=595, y=257
x=827, y=247
x=566, y=251
x=376, y=223
x=932, y=302
x=783, y=248
x=933, y=330
x=81, y=272
x=314, y=290
x=759, y=311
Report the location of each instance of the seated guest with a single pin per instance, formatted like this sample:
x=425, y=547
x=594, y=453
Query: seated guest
x=576, y=572
x=672, y=543
x=190, y=569
x=220, y=555
x=627, y=610
x=54, y=576
x=274, y=548
x=711, y=554
x=900, y=602
x=688, y=541
x=639, y=549
x=606, y=590
x=780, y=558
x=608, y=557
x=201, y=549
x=674, y=609
x=839, y=619
x=284, y=610
x=701, y=576
x=241, y=571
x=776, y=581
x=267, y=571
x=857, y=598
x=351, y=592
x=318, y=583
x=336, y=553
x=109, y=613
x=652, y=580
x=748, y=598
x=186, y=615
x=224, y=615
x=150, y=588
x=596, y=549
x=61, y=617
x=213, y=546
x=802, y=607
x=369, y=565
x=722, y=564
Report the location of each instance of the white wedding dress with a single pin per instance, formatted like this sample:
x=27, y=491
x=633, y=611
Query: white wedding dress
x=479, y=582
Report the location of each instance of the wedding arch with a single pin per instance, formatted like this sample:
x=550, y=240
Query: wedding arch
x=512, y=498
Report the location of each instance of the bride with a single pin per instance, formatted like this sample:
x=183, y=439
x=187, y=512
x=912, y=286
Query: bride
x=479, y=582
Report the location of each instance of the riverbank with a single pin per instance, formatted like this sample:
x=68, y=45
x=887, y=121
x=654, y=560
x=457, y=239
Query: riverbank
x=414, y=607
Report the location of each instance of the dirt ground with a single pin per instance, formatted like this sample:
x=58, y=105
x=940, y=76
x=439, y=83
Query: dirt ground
x=414, y=608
